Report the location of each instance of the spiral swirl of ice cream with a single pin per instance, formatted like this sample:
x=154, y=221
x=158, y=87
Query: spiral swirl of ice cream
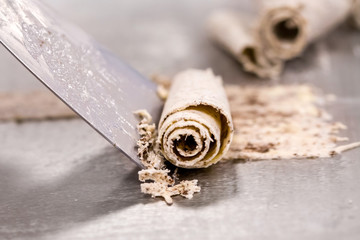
x=195, y=129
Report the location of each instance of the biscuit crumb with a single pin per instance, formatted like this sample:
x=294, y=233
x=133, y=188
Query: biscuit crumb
x=186, y=188
x=163, y=83
x=162, y=92
x=347, y=147
x=282, y=122
x=156, y=178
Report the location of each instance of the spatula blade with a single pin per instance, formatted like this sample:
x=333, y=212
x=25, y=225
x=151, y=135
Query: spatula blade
x=103, y=90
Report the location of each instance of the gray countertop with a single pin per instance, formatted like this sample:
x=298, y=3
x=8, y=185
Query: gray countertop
x=61, y=180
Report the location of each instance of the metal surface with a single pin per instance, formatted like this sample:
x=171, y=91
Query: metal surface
x=60, y=180
x=99, y=87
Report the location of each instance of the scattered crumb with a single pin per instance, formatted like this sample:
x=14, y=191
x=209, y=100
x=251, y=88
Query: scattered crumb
x=156, y=178
x=163, y=85
x=347, y=147
x=186, y=188
x=160, y=189
x=146, y=142
x=162, y=92
x=282, y=122
x=161, y=79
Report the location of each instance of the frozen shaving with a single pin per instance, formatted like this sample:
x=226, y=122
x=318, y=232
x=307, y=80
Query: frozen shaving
x=283, y=122
x=279, y=30
x=264, y=122
x=287, y=27
x=156, y=178
x=235, y=33
x=195, y=131
x=195, y=128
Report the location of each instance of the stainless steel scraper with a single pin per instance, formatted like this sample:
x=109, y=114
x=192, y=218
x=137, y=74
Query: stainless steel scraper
x=98, y=86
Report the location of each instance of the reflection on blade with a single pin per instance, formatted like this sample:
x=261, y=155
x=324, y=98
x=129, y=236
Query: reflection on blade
x=98, y=86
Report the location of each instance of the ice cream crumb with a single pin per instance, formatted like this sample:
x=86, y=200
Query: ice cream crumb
x=156, y=178
x=163, y=85
x=343, y=148
x=162, y=92
x=283, y=122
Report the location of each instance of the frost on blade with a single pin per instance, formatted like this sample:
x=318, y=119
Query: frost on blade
x=156, y=179
x=71, y=64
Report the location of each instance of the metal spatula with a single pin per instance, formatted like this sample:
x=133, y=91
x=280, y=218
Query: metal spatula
x=102, y=89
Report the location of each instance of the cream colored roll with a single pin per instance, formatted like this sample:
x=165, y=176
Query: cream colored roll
x=235, y=33
x=195, y=129
x=288, y=26
x=355, y=12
